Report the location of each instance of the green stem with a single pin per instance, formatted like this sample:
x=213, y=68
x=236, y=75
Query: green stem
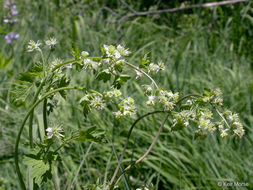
x=32, y=113
x=143, y=72
x=64, y=63
x=45, y=114
x=16, y=155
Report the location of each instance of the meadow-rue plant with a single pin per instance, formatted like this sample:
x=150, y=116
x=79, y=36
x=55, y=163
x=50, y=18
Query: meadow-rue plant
x=47, y=77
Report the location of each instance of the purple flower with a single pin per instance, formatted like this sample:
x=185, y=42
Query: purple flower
x=14, y=10
x=7, y=4
x=6, y=20
x=10, y=37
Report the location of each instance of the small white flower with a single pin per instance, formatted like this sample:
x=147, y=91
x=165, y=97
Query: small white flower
x=189, y=102
x=153, y=68
x=151, y=101
x=54, y=132
x=84, y=54
x=117, y=54
x=123, y=51
x=224, y=133
x=51, y=42
x=161, y=66
x=98, y=103
x=138, y=74
x=56, y=62
x=33, y=46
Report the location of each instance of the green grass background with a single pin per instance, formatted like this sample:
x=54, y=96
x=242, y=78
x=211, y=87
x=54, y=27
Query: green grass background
x=201, y=48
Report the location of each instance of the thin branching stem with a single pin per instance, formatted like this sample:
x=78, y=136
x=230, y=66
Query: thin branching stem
x=146, y=153
x=143, y=72
x=128, y=137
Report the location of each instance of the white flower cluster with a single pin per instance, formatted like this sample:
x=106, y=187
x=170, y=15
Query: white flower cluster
x=54, y=132
x=97, y=102
x=205, y=124
x=126, y=108
x=168, y=99
x=182, y=118
x=235, y=123
x=90, y=64
x=215, y=97
x=56, y=62
x=113, y=93
x=51, y=42
x=156, y=67
x=115, y=52
x=32, y=46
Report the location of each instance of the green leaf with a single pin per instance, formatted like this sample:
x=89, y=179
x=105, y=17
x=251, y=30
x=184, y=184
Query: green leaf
x=20, y=93
x=63, y=82
x=104, y=75
x=75, y=51
x=120, y=80
x=145, y=60
x=39, y=168
x=90, y=134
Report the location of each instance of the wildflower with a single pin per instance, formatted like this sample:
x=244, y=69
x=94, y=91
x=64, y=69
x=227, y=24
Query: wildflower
x=51, y=42
x=189, y=102
x=126, y=108
x=84, y=54
x=123, y=51
x=97, y=102
x=168, y=99
x=54, y=132
x=56, y=62
x=151, y=101
x=138, y=74
x=14, y=10
x=89, y=64
x=33, y=46
x=161, y=66
x=153, y=67
x=113, y=93
x=239, y=132
x=224, y=133
x=10, y=37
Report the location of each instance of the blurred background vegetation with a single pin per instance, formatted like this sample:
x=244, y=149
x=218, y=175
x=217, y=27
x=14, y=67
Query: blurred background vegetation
x=201, y=48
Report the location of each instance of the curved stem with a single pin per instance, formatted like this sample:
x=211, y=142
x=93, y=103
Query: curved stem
x=146, y=153
x=143, y=72
x=126, y=143
x=64, y=63
x=187, y=96
x=16, y=158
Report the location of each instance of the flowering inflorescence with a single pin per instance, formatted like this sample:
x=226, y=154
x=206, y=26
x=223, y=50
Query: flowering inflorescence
x=198, y=111
x=54, y=132
x=11, y=19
